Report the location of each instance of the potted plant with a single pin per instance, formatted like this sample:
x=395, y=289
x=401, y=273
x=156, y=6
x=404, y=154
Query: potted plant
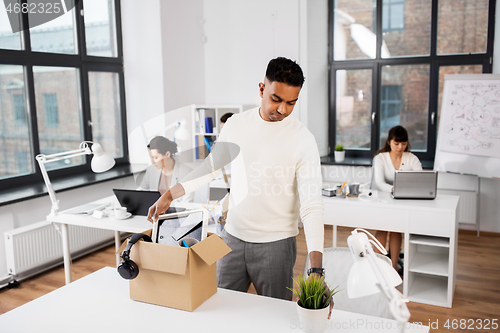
x=313, y=302
x=339, y=153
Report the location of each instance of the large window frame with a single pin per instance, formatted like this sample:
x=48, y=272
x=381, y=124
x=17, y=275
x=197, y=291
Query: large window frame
x=83, y=63
x=433, y=60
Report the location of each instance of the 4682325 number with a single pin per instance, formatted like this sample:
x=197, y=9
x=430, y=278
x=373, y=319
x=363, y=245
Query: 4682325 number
x=470, y=324
x=35, y=8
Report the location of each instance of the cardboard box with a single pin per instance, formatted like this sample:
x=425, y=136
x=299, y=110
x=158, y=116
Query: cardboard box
x=176, y=277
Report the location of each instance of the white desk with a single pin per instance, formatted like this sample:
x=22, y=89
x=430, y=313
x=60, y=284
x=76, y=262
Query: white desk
x=100, y=302
x=431, y=232
x=134, y=224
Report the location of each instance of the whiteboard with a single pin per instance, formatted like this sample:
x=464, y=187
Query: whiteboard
x=469, y=125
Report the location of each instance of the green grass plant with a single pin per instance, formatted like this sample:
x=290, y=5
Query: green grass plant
x=312, y=292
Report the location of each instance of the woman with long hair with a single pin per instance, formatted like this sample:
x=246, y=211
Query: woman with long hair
x=166, y=170
x=394, y=155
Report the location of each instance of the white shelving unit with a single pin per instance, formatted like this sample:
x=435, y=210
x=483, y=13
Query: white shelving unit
x=430, y=238
x=429, y=289
x=218, y=187
x=429, y=267
x=199, y=113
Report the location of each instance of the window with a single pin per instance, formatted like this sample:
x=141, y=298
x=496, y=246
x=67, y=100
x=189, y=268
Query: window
x=390, y=107
x=61, y=83
x=105, y=110
x=100, y=29
x=51, y=113
x=393, y=15
x=388, y=61
x=9, y=40
x=18, y=107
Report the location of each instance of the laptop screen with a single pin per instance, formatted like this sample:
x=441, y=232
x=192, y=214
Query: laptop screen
x=189, y=224
x=138, y=202
x=415, y=184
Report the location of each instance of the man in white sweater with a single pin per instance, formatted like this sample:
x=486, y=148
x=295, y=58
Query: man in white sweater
x=276, y=179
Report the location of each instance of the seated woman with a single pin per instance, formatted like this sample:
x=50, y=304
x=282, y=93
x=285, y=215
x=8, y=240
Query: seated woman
x=395, y=155
x=166, y=170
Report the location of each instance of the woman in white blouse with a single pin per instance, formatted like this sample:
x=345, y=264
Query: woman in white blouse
x=166, y=171
x=395, y=155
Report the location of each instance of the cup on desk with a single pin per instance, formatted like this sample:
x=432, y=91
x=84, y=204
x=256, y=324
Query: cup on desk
x=341, y=191
x=354, y=189
x=120, y=212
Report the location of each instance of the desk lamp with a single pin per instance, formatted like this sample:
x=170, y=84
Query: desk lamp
x=370, y=274
x=181, y=132
x=101, y=162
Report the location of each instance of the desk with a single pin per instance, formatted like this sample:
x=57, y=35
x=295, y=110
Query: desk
x=431, y=232
x=134, y=224
x=100, y=302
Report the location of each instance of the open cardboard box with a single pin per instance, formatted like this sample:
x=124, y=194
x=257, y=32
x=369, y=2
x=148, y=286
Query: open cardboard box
x=176, y=277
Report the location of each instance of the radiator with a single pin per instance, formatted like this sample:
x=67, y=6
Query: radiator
x=38, y=246
x=467, y=205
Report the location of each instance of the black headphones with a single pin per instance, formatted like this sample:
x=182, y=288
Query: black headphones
x=127, y=268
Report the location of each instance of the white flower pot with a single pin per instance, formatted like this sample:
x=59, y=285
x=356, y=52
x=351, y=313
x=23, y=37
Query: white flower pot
x=339, y=156
x=313, y=321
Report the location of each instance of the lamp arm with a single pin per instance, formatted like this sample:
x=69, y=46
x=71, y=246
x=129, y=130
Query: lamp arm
x=42, y=159
x=375, y=242
x=396, y=300
x=52, y=194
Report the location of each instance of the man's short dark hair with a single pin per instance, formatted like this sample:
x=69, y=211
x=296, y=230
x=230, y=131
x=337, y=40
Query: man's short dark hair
x=285, y=71
x=225, y=117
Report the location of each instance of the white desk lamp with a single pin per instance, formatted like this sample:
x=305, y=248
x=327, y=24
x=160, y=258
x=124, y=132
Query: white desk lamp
x=100, y=162
x=370, y=274
x=180, y=132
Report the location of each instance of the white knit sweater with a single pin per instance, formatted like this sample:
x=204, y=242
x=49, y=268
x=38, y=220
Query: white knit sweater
x=275, y=179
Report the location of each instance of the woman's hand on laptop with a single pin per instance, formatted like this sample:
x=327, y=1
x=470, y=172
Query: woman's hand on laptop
x=161, y=205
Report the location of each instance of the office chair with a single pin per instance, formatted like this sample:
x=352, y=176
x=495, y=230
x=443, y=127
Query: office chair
x=337, y=262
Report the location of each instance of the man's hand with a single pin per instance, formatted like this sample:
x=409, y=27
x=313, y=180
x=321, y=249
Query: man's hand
x=159, y=207
x=316, y=259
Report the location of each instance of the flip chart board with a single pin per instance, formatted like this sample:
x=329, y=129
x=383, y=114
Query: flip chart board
x=469, y=125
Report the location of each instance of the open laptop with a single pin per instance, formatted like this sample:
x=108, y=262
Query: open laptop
x=415, y=185
x=170, y=229
x=138, y=202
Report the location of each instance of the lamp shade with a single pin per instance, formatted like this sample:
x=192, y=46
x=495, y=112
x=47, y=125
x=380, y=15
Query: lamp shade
x=181, y=133
x=362, y=280
x=101, y=161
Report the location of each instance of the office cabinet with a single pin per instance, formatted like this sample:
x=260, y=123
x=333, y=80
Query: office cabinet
x=430, y=230
x=207, y=126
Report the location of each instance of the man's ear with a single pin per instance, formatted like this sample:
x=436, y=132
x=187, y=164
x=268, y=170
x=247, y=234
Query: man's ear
x=167, y=154
x=261, y=89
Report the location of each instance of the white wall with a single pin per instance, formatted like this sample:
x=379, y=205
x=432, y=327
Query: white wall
x=242, y=36
x=143, y=60
x=182, y=42
x=316, y=39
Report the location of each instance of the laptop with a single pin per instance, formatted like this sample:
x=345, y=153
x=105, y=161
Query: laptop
x=138, y=202
x=415, y=185
x=189, y=224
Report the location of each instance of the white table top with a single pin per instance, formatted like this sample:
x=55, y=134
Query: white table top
x=444, y=203
x=100, y=302
x=134, y=224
